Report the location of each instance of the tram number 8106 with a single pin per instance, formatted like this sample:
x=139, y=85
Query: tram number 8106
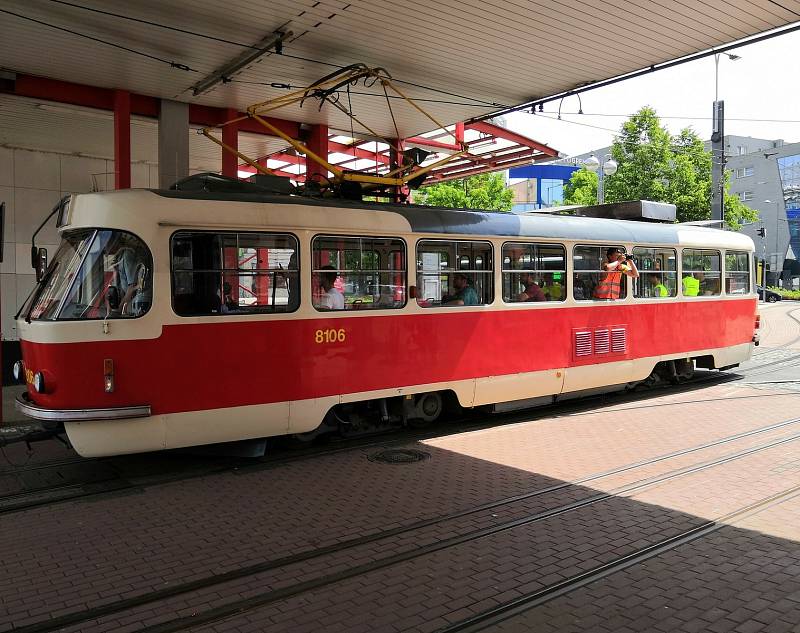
x=330, y=336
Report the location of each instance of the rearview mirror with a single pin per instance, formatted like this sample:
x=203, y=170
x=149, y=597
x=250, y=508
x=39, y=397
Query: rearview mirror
x=39, y=257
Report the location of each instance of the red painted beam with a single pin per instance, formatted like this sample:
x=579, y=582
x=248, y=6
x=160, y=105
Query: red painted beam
x=141, y=105
x=463, y=171
x=79, y=95
x=122, y=139
x=421, y=140
x=359, y=152
x=287, y=158
x=278, y=172
x=208, y=116
x=501, y=132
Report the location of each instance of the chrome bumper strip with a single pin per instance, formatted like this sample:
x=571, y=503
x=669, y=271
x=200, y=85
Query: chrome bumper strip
x=24, y=405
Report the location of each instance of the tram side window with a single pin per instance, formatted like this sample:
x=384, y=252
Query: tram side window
x=590, y=281
x=234, y=273
x=358, y=273
x=534, y=272
x=454, y=273
x=658, y=272
x=737, y=273
x=115, y=280
x=701, y=272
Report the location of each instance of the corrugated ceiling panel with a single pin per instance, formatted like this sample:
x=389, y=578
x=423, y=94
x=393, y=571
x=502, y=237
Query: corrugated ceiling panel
x=479, y=55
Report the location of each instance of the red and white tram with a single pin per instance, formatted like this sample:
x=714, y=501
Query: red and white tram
x=177, y=318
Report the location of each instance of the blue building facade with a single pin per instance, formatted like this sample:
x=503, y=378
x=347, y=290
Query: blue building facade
x=549, y=179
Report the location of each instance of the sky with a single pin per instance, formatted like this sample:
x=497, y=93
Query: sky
x=762, y=86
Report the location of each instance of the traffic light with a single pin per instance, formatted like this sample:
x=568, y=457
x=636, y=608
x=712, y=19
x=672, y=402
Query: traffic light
x=762, y=232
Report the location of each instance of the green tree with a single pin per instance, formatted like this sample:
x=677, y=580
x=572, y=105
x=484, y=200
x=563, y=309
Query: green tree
x=581, y=188
x=654, y=165
x=484, y=191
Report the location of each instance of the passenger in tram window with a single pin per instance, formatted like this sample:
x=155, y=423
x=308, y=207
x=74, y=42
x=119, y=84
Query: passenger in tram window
x=464, y=293
x=228, y=302
x=332, y=298
x=532, y=290
x=615, y=265
x=133, y=281
x=579, y=288
x=710, y=286
x=691, y=284
x=658, y=289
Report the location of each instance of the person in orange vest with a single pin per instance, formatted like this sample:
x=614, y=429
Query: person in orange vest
x=615, y=265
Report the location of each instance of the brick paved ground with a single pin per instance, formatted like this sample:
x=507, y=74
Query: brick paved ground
x=744, y=578
x=78, y=555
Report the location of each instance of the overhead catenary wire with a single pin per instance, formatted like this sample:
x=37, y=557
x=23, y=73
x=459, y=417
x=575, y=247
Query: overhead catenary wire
x=172, y=64
x=666, y=116
x=283, y=86
x=479, y=102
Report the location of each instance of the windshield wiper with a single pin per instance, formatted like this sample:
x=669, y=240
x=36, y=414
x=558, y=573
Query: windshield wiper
x=39, y=289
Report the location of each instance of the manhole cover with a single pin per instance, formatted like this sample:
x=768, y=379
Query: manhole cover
x=399, y=456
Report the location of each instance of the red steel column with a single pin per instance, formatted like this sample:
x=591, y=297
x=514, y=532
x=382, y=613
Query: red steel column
x=122, y=139
x=317, y=143
x=230, y=136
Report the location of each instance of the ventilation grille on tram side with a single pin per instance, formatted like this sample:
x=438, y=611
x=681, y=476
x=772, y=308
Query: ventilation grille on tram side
x=619, y=340
x=583, y=343
x=602, y=343
x=607, y=341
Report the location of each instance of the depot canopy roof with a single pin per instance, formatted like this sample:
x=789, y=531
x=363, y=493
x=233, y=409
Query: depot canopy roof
x=461, y=58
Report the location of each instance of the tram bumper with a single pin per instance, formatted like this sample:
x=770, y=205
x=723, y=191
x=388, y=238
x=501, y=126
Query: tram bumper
x=25, y=405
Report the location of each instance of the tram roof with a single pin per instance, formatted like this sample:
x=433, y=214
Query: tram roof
x=440, y=220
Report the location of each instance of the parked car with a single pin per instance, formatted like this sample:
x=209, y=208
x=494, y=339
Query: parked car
x=770, y=296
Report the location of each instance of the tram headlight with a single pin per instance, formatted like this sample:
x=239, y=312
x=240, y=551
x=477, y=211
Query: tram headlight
x=18, y=371
x=38, y=382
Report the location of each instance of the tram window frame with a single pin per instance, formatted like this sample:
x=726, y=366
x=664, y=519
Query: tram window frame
x=708, y=273
x=740, y=273
x=668, y=277
x=291, y=276
x=379, y=300
x=101, y=268
x=579, y=274
x=443, y=276
x=537, y=271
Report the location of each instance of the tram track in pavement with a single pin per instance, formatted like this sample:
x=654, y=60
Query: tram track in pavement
x=120, y=483
x=531, y=600
x=211, y=581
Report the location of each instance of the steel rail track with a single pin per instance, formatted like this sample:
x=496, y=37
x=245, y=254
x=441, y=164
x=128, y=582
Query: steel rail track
x=532, y=600
x=247, y=604
x=272, y=596
x=22, y=501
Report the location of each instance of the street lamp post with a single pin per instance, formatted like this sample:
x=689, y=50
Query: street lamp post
x=733, y=57
x=608, y=167
x=718, y=143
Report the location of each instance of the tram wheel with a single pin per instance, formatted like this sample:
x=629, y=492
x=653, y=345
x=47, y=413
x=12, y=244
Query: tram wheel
x=428, y=409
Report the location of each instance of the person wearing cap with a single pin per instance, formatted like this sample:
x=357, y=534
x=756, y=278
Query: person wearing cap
x=614, y=267
x=464, y=295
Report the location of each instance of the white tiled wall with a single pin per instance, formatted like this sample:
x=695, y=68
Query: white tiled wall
x=31, y=183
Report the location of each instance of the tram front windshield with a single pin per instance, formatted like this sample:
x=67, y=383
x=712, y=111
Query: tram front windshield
x=95, y=274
